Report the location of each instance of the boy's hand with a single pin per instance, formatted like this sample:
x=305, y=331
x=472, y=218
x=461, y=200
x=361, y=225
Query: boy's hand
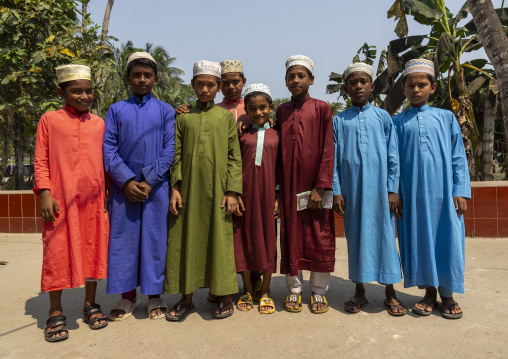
x=175, y=201
x=271, y=121
x=393, y=202
x=242, y=126
x=241, y=207
x=48, y=205
x=230, y=200
x=460, y=205
x=183, y=109
x=148, y=188
x=316, y=198
x=276, y=209
x=398, y=212
x=339, y=205
x=135, y=191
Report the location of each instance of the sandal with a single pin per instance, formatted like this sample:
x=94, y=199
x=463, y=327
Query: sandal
x=212, y=298
x=424, y=312
x=266, y=302
x=450, y=308
x=317, y=298
x=153, y=304
x=126, y=306
x=256, y=289
x=351, y=303
x=53, y=323
x=223, y=305
x=245, y=299
x=176, y=308
x=391, y=303
x=293, y=298
x=93, y=323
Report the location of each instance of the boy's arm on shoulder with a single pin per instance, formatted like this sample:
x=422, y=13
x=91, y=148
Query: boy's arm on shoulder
x=158, y=170
x=114, y=165
x=234, y=167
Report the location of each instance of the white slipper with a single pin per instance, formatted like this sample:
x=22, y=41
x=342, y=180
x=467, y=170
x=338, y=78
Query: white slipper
x=155, y=303
x=127, y=306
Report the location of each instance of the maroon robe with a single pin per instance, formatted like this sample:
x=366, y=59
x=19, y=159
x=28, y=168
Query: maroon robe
x=307, y=238
x=255, y=232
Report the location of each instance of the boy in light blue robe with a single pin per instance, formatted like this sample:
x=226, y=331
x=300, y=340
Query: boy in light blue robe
x=434, y=186
x=365, y=186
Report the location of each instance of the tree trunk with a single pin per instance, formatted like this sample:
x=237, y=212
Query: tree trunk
x=7, y=140
x=19, y=155
x=84, y=12
x=495, y=42
x=489, y=118
x=105, y=22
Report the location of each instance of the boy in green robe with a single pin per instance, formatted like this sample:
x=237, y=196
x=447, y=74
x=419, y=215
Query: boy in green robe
x=206, y=178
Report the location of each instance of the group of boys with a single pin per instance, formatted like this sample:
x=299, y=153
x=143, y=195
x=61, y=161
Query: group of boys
x=190, y=165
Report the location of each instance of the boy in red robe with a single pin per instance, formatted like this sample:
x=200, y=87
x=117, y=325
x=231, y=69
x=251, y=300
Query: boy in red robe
x=307, y=153
x=69, y=177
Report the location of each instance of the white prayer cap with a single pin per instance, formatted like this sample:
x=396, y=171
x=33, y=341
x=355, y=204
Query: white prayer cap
x=257, y=88
x=206, y=68
x=419, y=65
x=359, y=67
x=73, y=72
x=300, y=60
x=140, y=55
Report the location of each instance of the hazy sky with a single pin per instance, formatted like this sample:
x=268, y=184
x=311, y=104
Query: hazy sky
x=262, y=34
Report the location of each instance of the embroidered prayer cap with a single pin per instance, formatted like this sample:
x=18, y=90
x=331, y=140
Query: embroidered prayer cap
x=73, y=72
x=300, y=60
x=140, y=55
x=359, y=67
x=206, y=68
x=419, y=65
x=228, y=66
x=257, y=88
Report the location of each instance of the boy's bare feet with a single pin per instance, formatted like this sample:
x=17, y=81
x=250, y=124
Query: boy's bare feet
x=356, y=303
x=428, y=302
x=395, y=307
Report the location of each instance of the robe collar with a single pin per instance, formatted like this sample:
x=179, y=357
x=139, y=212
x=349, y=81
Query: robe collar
x=266, y=126
x=145, y=98
x=416, y=109
x=204, y=106
x=358, y=109
x=299, y=104
x=72, y=110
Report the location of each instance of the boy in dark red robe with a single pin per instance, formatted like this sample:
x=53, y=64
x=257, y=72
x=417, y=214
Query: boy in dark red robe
x=307, y=154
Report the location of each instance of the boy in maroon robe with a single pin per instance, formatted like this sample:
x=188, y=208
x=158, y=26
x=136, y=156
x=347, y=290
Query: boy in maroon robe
x=307, y=154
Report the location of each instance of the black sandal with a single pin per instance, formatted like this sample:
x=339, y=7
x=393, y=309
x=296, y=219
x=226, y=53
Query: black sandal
x=176, y=308
x=222, y=305
x=450, y=308
x=53, y=323
x=93, y=322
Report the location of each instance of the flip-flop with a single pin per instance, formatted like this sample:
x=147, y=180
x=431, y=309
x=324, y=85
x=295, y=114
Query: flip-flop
x=127, y=306
x=267, y=302
x=294, y=298
x=450, y=307
x=317, y=298
x=424, y=312
x=221, y=305
x=177, y=307
x=391, y=304
x=350, y=303
x=156, y=303
x=245, y=299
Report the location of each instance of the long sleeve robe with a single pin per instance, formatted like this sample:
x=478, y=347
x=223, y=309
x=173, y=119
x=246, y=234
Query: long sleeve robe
x=433, y=170
x=139, y=145
x=255, y=232
x=307, y=237
x=207, y=164
x=68, y=162
x=366, y=169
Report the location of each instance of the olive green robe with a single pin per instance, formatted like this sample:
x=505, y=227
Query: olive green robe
x=207, y=163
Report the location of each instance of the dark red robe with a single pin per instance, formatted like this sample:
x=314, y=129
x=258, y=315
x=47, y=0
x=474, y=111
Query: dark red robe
x=255, y=232
x=307, y=154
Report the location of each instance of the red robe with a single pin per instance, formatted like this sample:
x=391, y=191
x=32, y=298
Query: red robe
x=255, y=233
x=68, y=162
x=307, y=154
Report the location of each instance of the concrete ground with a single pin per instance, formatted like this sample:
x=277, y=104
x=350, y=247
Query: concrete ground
x=481, y=333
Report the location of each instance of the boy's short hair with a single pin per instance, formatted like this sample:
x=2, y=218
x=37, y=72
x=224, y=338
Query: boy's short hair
x=239, y=74
x=219, y=80
x=306, y=69
x=64, y=85
x=142, y=62
x=257, y=93
x=429, y=76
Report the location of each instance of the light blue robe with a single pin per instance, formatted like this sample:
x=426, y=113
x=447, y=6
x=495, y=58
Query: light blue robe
x=366, y=169
x=139, y=144
x=433, y=170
